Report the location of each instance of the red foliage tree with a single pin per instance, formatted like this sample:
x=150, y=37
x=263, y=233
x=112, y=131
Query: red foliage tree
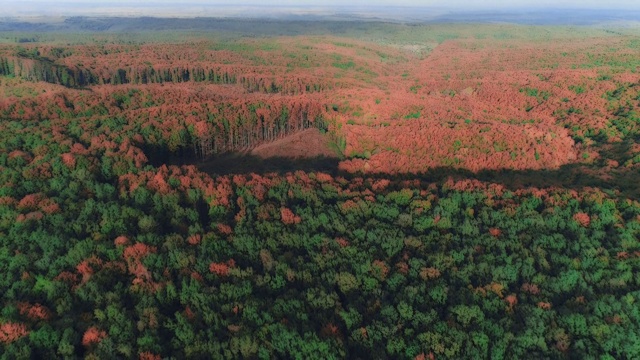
x=149, y=356
x=86, y=267
x=69, y=160
x=121, y=240
x=380, y=269
x=224, y=229
x=220, y=269
x=137, y=251
x=10, y=332
x=93, y=336
x=194, y=239
x=511, y=301
x=33, y=312
x=582, y=218
x=288, y=217
x=30, y=202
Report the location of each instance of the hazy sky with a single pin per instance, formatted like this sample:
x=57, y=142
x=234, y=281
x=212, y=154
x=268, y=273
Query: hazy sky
x=256, y=8
x=459, y=4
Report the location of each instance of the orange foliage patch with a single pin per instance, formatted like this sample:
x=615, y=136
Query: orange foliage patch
x=30, y=202
x=133, y=255
x=224, y=229
x=93, y=336
x=69, y=160
x=532, y=289
x=582, y=218
x=121, y=240
x=32, y=216
x=323, y=177
x=10, y=332
x=149, y=356
x=67, y=276
x=342, y=242
x=511, y=301
x=49, y=206
x=380, y=269
x=288, y=217
x=196, y=276
x=86, y=267
x=137, y=251
x=194, y=239
x=20, y=154
x=33, y=312
x=423, y=356
x=221, y=269
x=544, y=305
x=79, y=149
x=402, y=267
x=427, y=273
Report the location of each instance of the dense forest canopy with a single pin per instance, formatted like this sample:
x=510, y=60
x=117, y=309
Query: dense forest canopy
x=481, y=199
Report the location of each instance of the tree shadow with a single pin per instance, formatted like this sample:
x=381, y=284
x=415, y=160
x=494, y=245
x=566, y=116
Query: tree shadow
x=600, y=173
x=577, y=176
x=239, y=163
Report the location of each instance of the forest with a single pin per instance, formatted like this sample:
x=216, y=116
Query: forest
x=387, y=191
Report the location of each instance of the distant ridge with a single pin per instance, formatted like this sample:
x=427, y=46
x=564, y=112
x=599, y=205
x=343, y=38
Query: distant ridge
x=324, y=21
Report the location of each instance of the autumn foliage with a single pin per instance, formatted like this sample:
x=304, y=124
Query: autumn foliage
x=479, y=197
x=582, y=219
x=10, y=332
x=93, y=336
x=288, y=217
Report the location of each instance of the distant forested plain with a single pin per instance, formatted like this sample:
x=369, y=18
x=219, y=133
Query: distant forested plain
x=199, y=188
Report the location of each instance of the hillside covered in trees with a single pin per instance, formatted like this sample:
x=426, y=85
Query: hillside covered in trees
x=390, y=191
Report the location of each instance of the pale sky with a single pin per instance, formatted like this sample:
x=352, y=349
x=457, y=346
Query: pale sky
x=259, y=8
x=458, y=4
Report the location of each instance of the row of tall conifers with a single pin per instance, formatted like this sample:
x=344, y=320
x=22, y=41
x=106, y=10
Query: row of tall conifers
x=224, y=136
x=150, y=75
x=43, y=69
x=47, y=71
